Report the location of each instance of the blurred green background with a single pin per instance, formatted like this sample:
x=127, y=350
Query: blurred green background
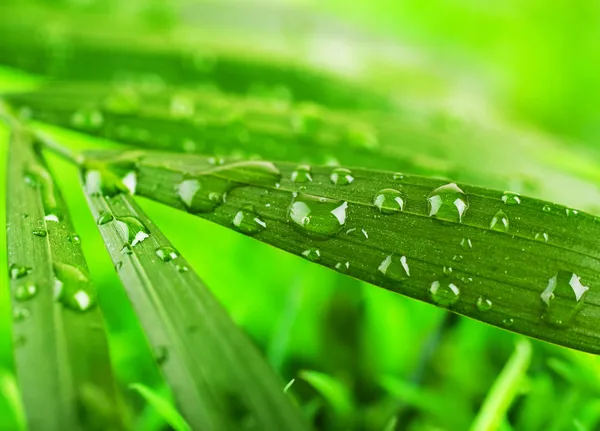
x=527, y=64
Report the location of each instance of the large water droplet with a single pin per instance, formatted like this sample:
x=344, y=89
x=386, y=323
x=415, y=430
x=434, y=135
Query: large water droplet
x=133, y=229
x=499, y=222
x=25, y=292
x=389, y=201
x=102, y=182
x=104, y=217
x=341, y=176
x=448, y=202
x=166, y=253
x=18, y=271
x=302, y=174
x=563, y=298
x=395, y=267
x=247, y=221
x=72, y=288
x=312, y=254
x=510, y=198
x=445, y=292
x=318, y=216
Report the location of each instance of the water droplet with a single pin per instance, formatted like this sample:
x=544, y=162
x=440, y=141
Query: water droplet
x=342, y=267
x=52, y=217
x=389, y=201
x=444, y=293
x=87, y=119
x=302, y=174
x=318, y=216
x=466, y=243
x=102, y=182
x=203, y=195
x=104, y=217
x=563, y=298
x=358, y=233
x=484, y=304
x=130, y=182
x=448, y=202
x=447, y=270
x=312, y=254
x=398, y=176
x=546, y=208
x=74, y=239
x=42, y=233
x=20, y=314
x=25, y=292
x=18, y=271
x=133, y=229
x=161, y=354
x=571, y=212
x=166, y=253
x=510, y=198
x=341, y=176
x=395, y=267
x=499, y=222
x=181, y=268
x=458, y=257
x=247, y=221
x=72, y=288
x=118, y=266
x=509, y=321
x=541, y=236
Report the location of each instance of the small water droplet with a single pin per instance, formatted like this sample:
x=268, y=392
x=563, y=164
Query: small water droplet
x=181, y=268
x=74, y=239
x=355, y=232
x=541, y=236
x=118, y=266
x=389, y=201
x=247, y=221
x=302, y=174
x=395, y=267
x=466, y=243
x=18, y=271
x=398, y=176
x=126, y=250
x=571, y=212
x=25, y=292
x=342, y=267
x=87, y=119
x=509, y=321
x=546, y=208
x=447, y=270
x=458, y=257
x=72, y=288
x=52, y=217
x=341, y=176
x=42, y=233
x=563, y=298
x=444, y=293
x=318, y=216
x=448, y=202
x=104, y=217
x=510, y=198
x=203, y=195
x=166, y=253
x=20, y=314
x=499, y=222
x=133, y=229
x=484, y=304
x=312, y=254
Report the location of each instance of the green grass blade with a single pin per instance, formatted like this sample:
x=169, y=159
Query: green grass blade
x=220, y=380
x=504, y=390
x=168, y=412
x=522, y=264
x=61, y=354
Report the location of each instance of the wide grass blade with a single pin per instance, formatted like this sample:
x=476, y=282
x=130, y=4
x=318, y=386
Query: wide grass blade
x=61, y=353
x=220, y=380
x=518, y=263
x=211, y=123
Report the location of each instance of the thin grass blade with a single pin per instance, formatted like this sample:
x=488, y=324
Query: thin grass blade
x=518, y=263
x=220, y=380
x=62, y=361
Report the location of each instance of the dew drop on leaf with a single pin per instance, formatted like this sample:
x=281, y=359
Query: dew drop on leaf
x=484, y=304
x=499, y=222
x=312, y=254
x=181, y=268
x=24, y=292
x=389, y=201
x=466, y=243
x=342, y=267
x=166, y=253
x=546, y=208
x=302, y=174
x=20, y=314
x=74, y=239
x=509, y=321
x=448, y=202
x=104, y=217
x=133, y=229
x=319, y=216
x=563, y=298
x=72, y=288
x=18, y=271
x=445, y=292
x=204, y=194
x=395, y=267
x=341, y=176
x=247, y=221
x=510, y=198
x=42, y=233
x=541, y=236
x=87, y=119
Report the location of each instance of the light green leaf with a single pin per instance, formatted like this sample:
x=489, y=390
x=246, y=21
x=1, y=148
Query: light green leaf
x=168, y=412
